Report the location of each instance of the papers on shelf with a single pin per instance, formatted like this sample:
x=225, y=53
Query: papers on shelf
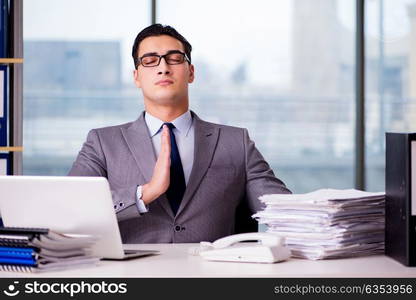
x=327, y=223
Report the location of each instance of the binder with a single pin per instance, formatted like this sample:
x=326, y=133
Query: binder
x=7, y=242
x=17, y=268
x=41, y=249
x=4, y=20
x=55, y=266
x=17, y=252
x=18, y=256
x=24, y=231
x=18, y=261
x=400, y=239
x=19, y=237
x=3, y=106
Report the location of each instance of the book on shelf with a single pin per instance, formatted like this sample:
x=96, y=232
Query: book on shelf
x=4, y=28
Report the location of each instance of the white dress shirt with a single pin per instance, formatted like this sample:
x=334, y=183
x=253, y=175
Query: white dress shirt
x=184, y=134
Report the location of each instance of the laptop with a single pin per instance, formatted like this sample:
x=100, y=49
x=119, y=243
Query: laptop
x=80, y=205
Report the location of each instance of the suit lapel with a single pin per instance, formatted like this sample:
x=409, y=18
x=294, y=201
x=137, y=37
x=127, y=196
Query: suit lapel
x=140, y=145
x=206, y=137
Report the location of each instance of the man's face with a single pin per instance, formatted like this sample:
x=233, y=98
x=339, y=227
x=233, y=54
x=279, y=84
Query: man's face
x=163, y=84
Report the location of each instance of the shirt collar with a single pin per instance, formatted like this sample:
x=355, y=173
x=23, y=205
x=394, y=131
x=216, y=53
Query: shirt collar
x=182, y=123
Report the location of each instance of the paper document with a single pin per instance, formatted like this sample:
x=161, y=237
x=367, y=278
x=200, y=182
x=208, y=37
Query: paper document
x=327, y=223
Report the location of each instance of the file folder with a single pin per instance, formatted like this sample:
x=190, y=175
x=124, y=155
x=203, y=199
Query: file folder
x=401, y=197
x=17, y=252
x=17, y=261
x=4, y=22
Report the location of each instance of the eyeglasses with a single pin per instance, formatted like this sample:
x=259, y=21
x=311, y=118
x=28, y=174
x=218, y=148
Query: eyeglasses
x=172, y=58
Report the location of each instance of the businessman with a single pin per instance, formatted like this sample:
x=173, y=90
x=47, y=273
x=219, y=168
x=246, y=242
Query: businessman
x=175, y=178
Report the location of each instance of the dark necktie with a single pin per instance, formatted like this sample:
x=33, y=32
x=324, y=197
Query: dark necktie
x=177, y=178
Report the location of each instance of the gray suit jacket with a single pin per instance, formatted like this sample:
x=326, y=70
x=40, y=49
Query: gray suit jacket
x=228, y=171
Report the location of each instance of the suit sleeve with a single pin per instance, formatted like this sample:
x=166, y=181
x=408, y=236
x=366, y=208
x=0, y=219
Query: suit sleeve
x=260, y=177
x=91, y=161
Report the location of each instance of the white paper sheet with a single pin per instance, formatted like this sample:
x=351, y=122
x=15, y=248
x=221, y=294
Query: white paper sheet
x=327, y=223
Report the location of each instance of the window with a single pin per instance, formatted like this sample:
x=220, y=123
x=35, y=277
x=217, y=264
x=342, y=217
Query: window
x=390, y=80
x=282, y=69
x=77, y=75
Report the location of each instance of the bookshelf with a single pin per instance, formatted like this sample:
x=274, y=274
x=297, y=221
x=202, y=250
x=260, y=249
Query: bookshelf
x=11, y=148
x=4, y=61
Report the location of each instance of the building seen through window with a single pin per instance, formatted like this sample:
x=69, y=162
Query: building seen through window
x=283, y=69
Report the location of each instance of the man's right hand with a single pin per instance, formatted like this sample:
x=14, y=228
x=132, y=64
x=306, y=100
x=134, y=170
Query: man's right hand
x=161, y=174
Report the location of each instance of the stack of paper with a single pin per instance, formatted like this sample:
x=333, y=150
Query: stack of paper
x=327, y=223
x=37, y=249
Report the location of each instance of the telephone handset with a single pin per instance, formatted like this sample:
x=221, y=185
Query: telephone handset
x=269, y=249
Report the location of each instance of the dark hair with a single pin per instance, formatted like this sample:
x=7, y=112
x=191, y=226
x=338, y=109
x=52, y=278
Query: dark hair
x=156, y=30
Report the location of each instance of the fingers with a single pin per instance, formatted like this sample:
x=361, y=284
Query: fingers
x=161, y=173
x=165, y=147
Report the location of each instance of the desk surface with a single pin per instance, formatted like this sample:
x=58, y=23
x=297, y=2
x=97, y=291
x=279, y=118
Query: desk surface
x=174, y=261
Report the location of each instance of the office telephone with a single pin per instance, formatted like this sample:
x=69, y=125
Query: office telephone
x=269, y=249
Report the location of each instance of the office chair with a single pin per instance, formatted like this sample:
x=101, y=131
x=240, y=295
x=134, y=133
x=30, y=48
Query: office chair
x=243, y=220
